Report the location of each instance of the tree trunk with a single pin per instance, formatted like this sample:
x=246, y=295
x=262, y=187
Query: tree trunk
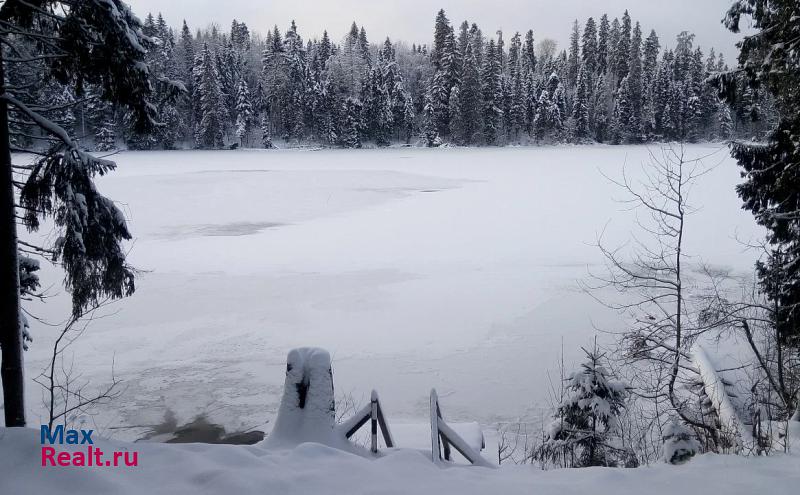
x=11, y=369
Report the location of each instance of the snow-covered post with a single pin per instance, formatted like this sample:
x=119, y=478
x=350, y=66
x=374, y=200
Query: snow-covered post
x=307, y=410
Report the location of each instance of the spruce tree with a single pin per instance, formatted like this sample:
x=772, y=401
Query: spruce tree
x=623, y=48
x=89, y=43
x=266, y=133
x=353, y=126
x=603, y=45
x=244, y=111
x=580, y=109
x=210, y=130
x=584, y=429
x=633, y=124
x=492, y=95
x=573, y=60
x=770, y=58
x=469, y=98
x=529, y=53
x=589, y=48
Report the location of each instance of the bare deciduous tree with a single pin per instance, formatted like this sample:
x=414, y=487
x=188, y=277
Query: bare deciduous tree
x=66, y=392
x=650, y=277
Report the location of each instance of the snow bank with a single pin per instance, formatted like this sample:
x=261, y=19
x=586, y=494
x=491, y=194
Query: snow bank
x=193, y=469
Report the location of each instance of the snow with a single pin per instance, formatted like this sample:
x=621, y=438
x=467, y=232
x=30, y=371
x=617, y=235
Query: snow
x=416, y=268
x=307, y=412
x=198, y=469
x=715, y=389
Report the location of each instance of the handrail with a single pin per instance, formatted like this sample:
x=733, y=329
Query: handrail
x=372, y=412
x=443, y=436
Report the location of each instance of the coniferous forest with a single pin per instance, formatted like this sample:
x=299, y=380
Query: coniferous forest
x=615, y=83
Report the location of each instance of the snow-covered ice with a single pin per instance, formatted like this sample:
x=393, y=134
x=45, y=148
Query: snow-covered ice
x=417, y=268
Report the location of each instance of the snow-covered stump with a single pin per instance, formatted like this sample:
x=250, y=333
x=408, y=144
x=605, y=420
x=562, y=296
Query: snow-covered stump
x=307, y=411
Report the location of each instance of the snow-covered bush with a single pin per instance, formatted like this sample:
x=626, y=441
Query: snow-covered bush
x=680, y=443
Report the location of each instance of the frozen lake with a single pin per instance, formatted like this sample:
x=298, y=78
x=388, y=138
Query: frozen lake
x=417, y=268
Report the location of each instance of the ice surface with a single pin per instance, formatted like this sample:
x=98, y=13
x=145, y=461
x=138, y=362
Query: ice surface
x=417, y=268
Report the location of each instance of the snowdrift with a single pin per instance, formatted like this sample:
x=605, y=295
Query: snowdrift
x=178, y=469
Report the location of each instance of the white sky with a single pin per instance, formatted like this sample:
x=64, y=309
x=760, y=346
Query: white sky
x=412, y=20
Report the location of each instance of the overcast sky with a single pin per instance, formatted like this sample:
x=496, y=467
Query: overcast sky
x=412, y=20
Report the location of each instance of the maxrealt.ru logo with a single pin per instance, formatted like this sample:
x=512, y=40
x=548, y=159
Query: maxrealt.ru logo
x=92, y=456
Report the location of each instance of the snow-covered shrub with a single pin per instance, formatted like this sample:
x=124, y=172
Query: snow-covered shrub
x=680, y=443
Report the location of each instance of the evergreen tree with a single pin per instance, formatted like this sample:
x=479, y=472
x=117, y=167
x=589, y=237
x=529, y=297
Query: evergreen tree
x=589, y=48
x=600, y=114
x=353, y=124
x=725, y=121
x=492, y=94
x=573, y=61
x=649, y=77
x=529, y=53
x=583, y=432
x=210, y=131
x=469, y=99
x=186, y=65
x=266, y=133
x=429, y=133
x=377, y=108
x=633, y=123
x=614, y=50
x=244, y=111
x=623, y=47
x=771, y=187
x=325, y=49
x=91, y=43
x=580, y=109
x=603, y=45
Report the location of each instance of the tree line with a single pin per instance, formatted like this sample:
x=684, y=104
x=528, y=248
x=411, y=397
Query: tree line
x=611, y=85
